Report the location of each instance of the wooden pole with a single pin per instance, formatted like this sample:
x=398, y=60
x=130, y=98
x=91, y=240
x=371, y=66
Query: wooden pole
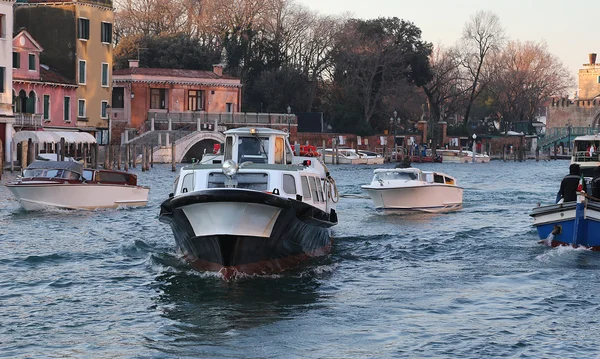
x=119, y=158
x=144, y=158
x=1, y=159
x=151, y=156
x=172, y=157
x=84, y=149
x=134, y=157
x=127, y=158
x=106, y=156
x=23, y=154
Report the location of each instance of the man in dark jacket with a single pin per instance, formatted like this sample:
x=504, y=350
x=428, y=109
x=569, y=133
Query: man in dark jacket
x=596, y=183
x=569, y=184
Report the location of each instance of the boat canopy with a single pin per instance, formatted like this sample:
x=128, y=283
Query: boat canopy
x=56, y=165
x=53, y=137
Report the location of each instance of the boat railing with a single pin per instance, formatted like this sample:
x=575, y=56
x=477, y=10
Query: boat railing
x=584, y=156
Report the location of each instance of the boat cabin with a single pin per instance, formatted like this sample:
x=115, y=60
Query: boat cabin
x=71, y=171
x=586, y=154
x=257, y=146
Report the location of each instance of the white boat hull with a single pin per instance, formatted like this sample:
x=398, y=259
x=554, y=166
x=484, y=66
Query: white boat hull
x=42, y=195
x=329, y=159
x=427, y=198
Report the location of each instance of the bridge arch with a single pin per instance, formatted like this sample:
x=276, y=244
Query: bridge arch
x=183, y=146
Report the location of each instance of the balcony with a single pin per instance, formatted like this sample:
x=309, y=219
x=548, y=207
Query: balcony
x=28, y=120
x=224, y=118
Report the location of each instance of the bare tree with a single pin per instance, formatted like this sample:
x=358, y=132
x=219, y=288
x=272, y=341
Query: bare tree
x=525, y=75
x=482, y=36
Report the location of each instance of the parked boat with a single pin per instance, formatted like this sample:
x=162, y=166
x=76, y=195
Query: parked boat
x=66, y=184
x=410, y=189
x=262, y=210
x=373, y=158
x=456, y=156
x=572, y=223
x=346, y=156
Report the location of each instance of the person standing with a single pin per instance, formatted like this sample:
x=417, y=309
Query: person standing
x=569, y=184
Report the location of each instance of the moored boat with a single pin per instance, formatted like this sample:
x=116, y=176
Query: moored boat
x=67, y=185
x=456, y=156
x=262, y=210
x=345, y=156
x=373, y=158
x=410, y=189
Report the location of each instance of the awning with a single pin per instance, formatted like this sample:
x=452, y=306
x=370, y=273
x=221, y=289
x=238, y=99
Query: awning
x=53, y=137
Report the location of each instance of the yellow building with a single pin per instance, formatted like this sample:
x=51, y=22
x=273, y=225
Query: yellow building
x=80, y=49
x=589, y=79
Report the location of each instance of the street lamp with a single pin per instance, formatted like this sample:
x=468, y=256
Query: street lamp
x=569, y=126
x=394, y=122
x=474, y=148
x=289, y=110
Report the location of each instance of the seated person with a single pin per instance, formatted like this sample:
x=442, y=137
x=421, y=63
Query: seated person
x=569, y=184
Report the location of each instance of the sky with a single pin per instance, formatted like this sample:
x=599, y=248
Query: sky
x=567, y=27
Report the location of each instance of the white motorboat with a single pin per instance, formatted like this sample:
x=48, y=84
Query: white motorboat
x=67, y=185
x=586, y=153
x=258, y=209
x=456, y=156
x=373, y=158
x=346, y=156
x=410, y=189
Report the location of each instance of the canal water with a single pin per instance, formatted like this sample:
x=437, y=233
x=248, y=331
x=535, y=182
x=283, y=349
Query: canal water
x=470, y=284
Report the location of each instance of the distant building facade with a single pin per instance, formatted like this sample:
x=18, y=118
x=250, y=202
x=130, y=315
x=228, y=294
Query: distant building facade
x=6, y=112
x=42, y=98
x=584, y=109
x=80, y=49
x=140, y=94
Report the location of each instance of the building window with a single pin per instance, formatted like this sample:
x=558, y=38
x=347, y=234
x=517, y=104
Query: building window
x=81, y=108
x=106, y=32
x=83, y=28
x=67, y=109
x=32, y=62
x=2, y=79
x=104, y=109
x=2, y=26
x=104, y=74
x=46, y=107
x=195, y=100
x=117, y=97
x=16, y=60
x=229, y=107
x=82, y=72
x=158, y=99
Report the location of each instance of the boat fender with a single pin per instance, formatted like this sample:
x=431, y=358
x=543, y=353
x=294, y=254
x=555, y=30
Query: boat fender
x=275, y=191
x=557, y=229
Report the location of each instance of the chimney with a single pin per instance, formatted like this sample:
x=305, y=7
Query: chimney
x=218, y=69
x=134, y=63
x=592, y=58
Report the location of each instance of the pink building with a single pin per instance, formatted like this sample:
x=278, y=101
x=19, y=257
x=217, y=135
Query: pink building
x=42, y=98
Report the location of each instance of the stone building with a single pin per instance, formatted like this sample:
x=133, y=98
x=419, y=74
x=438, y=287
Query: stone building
x=6, y=112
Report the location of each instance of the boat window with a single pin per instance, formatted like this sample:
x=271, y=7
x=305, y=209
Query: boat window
x=253, y=149
x=70, y=175
x=228, y=148
x=52, y=173
x=279, y=144
x=289, y=184
x=36, y=172
x=320, y=188
x=88, y=175
x=449, y=180
x=313, y=188
x=393, y=175
x=305, y=188
x=437, y=178
x=175, y=183
x=188, y=183
x=429, y=177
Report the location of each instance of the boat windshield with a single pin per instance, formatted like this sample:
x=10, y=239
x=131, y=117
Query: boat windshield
x=50, y=173
x=253, y=149
x=393, y=175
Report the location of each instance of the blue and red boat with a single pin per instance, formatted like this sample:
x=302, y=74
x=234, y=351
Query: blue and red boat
x=574, y=224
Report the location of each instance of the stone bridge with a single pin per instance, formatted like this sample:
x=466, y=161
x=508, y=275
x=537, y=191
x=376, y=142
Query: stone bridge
x=187, y=144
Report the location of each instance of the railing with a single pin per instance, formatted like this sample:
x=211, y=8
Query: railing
x=584, y=156
x=28, y=120
x=558, y=134
x=225, y=118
